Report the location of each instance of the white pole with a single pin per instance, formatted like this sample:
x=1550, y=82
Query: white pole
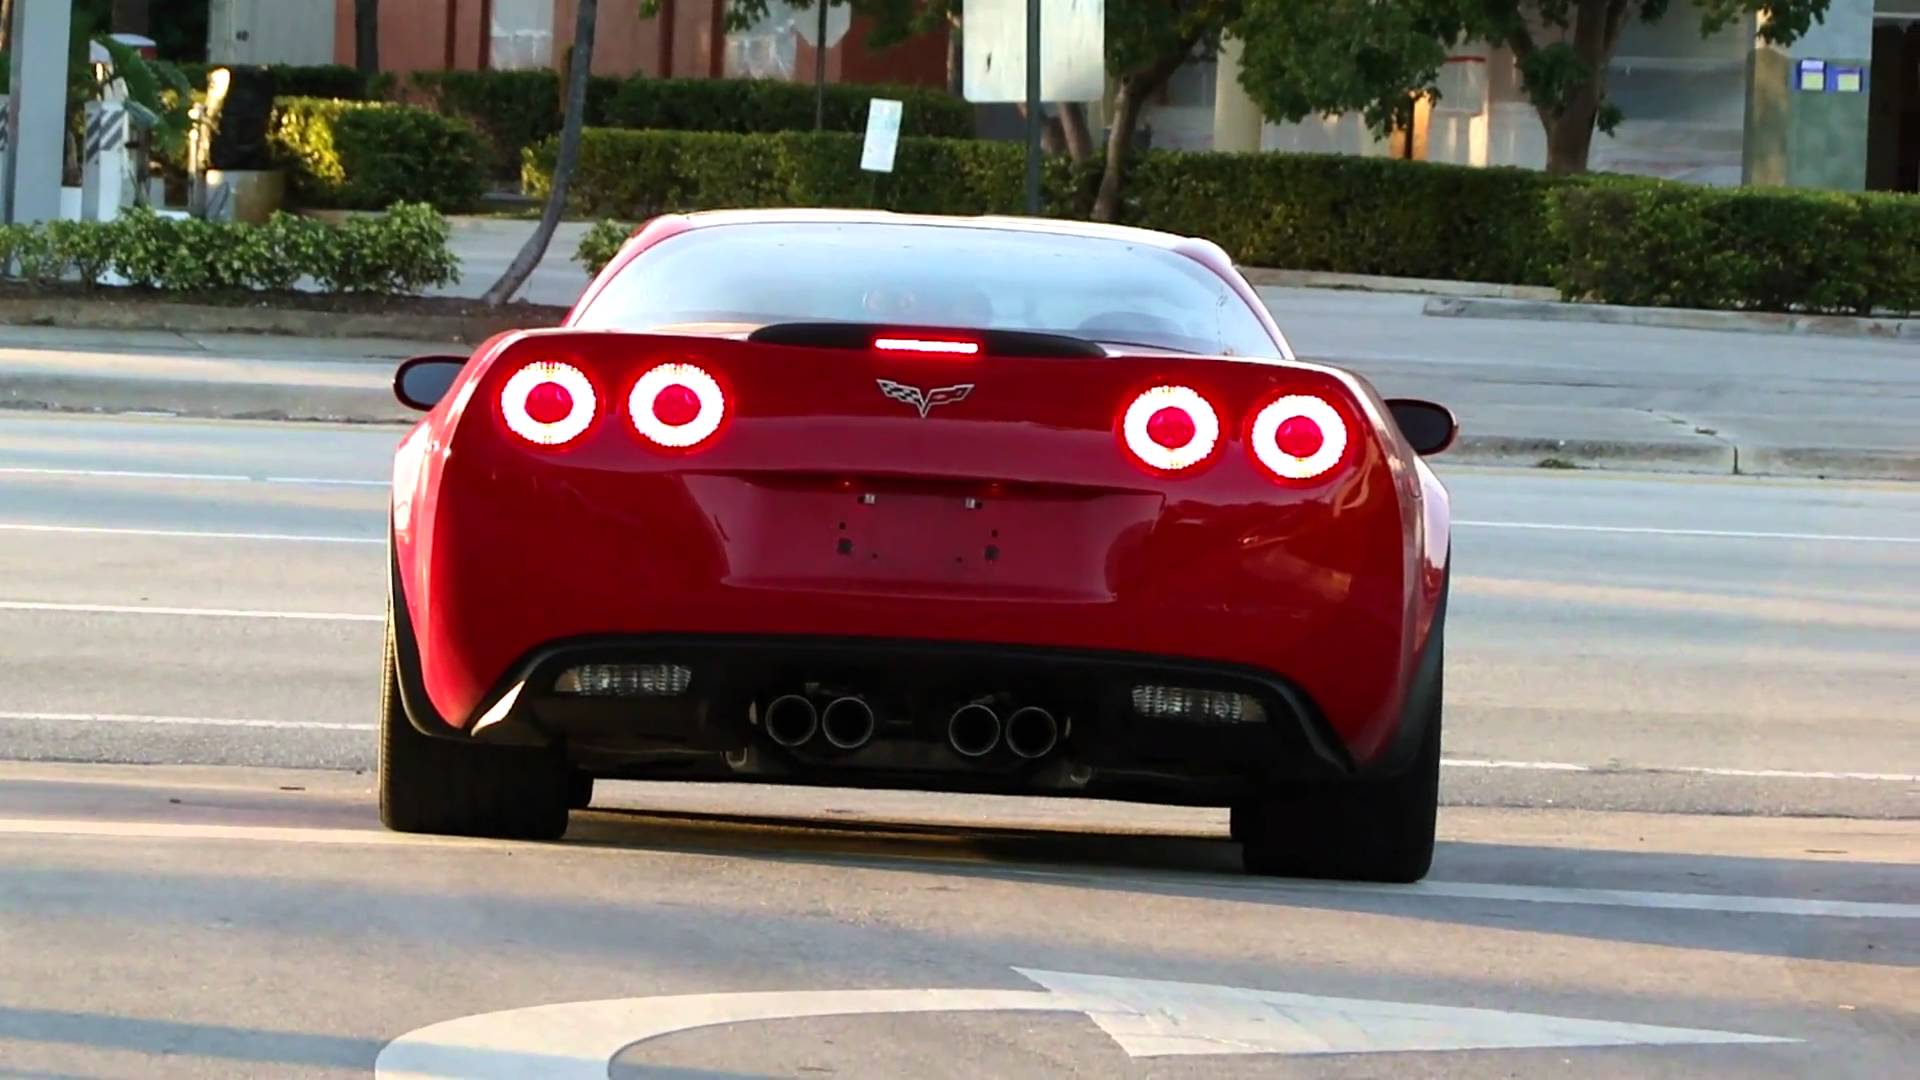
x=36, y=110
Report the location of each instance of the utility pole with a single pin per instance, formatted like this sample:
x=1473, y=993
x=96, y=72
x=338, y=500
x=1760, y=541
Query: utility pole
x=1033, y=107
x=36, y=111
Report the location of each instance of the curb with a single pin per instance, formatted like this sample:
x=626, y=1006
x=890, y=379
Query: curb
x=114, y=314
x=1752, y=322
x=1262, y=277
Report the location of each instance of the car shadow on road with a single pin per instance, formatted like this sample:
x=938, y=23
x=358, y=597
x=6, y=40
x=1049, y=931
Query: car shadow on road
x=1589, y=893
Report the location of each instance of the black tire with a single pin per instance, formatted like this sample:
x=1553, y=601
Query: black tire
x=451, y=788
x=1365, y=830
x=579, y=790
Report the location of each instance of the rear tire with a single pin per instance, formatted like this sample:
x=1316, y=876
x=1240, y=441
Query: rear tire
x=1362, y=830
x=579, y=790
x=451, y=788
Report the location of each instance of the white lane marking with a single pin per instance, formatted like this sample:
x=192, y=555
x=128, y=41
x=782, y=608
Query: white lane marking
x=1424, y=890
x=1523, y=766
x=1146, y=1017
x=1688, y=770
x=1725, y=534
x=179, y=721
x=219, y=478
x=188, y=534
x=187, y=612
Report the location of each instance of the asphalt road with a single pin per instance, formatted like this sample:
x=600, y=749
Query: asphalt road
x=1681, y=791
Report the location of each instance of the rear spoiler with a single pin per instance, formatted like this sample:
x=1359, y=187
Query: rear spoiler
x=925, y=339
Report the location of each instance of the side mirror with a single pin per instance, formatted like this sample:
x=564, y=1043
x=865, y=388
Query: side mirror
x=1428, y=427
x=421, y=382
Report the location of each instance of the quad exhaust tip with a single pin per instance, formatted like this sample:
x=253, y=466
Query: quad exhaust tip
x=792, y=720
x=1032, y=732
x=973, y=730
x=848, y=723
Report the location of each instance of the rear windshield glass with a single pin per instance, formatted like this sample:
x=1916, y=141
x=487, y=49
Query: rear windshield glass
x=734, y=277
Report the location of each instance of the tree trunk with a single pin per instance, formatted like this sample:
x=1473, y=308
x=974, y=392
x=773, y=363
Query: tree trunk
x=1073, y=123
x=956, y=62
x=6, y=25
x=366, y=35
x=579, y=69
x=1570, y=133
x=1127, y=103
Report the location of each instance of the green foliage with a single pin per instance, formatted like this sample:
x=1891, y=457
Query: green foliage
x=636, y=174
x=368, y=155
x=746, y=105
x=1665, y=244
x=403, y=251
x=1354, y=215
x=336, y=81
x=601, y=243
x=512, y=109
x=1607, y=238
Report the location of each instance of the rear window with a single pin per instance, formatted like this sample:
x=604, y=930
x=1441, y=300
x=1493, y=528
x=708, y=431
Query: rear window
x=734, y=277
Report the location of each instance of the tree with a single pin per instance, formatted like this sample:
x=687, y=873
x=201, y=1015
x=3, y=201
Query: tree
x=579, y=70
x=366, y=36
x=1147, y=41
x=1374, y=57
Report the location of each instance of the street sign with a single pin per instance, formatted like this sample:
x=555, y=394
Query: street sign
x=839, y=17
x=1073, y=61
x=1147, y=1018
x=883, y=135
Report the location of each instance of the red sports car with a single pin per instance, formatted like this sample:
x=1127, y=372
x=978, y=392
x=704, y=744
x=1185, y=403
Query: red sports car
x=860, y=499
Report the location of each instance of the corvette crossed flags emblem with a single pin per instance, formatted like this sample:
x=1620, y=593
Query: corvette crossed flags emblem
x=925, y=400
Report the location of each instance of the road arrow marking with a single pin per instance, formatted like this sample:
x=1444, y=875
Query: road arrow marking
x=1147, y=1018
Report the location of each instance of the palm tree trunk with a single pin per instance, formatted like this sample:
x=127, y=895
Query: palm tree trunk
x=579, y=69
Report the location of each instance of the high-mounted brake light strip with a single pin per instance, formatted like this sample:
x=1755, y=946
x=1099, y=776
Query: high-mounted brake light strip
x=927, y=345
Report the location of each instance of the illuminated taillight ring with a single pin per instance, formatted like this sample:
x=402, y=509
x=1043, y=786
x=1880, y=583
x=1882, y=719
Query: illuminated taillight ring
x=1199, y=447
x=520, y=388
x=706, y=391
x=1266, y=437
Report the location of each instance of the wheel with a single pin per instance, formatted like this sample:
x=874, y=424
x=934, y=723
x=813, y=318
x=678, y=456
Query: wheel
x=1370, y=830
x=434, y=785
x=579, y=790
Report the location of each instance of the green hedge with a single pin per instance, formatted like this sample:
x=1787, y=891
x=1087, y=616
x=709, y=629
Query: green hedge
x=1659, y=244
x=512, y=109
x=517, y=109
x=1614, y=239
x=336, y=81
x=767, y=105
x=634, y=174
x=403, y=251
x=368, y=155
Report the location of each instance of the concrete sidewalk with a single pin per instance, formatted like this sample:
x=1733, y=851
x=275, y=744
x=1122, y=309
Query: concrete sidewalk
x=1531, y=394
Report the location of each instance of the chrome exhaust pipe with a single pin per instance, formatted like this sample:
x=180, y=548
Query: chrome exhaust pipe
x=973, y=731
x=791, y=720
x=847, y=723
x=1032, y=732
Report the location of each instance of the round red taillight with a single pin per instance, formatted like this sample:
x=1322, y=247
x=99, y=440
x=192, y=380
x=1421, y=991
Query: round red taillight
x=1298, y=437
x=548, y=403
x=1170, y=428
x=677, y=406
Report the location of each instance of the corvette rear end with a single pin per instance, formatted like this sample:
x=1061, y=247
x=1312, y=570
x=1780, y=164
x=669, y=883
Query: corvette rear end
x=949, y=557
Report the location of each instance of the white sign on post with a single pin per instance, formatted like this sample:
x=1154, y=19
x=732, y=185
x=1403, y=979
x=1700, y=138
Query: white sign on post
x=883, y=135
x=807, y=23
x=1073, y=52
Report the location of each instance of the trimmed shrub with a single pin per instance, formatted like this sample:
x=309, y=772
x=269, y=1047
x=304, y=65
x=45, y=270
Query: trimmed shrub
x=336, y=81
x=767, y=105
x=401, y=252
x=636, y=174
x=366, y=155
x=512, y=109
x=601, y=243
x=1351, y=215
x=1664, y=244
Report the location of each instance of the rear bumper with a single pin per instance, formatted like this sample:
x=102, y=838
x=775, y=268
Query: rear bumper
x=1108, y=748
